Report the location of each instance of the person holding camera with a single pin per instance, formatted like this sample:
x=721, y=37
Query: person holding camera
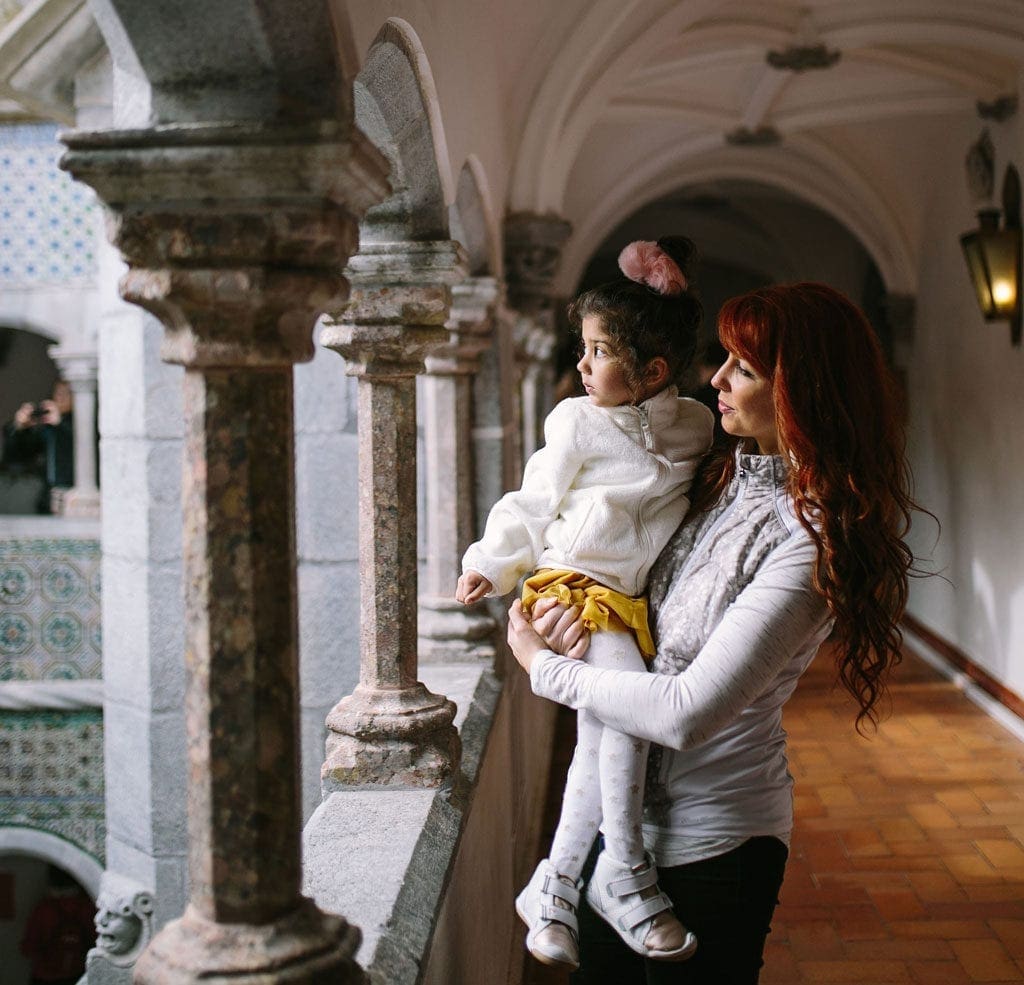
x=40, y=442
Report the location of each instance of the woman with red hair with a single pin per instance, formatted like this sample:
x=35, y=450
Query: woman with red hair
x=795, y=535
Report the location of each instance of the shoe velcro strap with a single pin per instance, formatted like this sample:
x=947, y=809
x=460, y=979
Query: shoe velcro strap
x=553, y=886
x=645, y=910
x=557, y=915
x=634, y=882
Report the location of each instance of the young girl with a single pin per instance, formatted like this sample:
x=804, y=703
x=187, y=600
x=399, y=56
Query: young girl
x=598, y=503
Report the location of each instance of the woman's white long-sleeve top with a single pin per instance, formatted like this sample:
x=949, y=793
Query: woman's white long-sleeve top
x=602, y=496
x=736, y=622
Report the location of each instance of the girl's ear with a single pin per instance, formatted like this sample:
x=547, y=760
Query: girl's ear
x=656, y=373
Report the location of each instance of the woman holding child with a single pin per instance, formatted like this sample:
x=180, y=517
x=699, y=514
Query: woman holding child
x=794, y=535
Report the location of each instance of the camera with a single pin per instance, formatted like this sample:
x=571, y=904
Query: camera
x=38, y=412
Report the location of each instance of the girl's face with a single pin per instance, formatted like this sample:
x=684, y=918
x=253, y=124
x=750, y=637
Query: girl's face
x=746, y=403
x=600, y=369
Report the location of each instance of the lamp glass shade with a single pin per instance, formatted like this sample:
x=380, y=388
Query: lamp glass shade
x=993, y=259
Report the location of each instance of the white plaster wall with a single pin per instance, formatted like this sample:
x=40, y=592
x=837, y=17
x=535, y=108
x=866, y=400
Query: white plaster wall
x=966, y=408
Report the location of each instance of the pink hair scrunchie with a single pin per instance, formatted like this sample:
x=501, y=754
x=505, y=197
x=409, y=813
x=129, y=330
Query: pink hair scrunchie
x=647, y=263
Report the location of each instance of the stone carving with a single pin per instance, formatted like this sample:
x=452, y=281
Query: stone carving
x=533, y=248
x=803, y=58
x=981, y=168
x=762, y=136
x=124, y=926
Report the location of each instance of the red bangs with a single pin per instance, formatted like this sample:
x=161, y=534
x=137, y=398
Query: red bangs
x=746, y=327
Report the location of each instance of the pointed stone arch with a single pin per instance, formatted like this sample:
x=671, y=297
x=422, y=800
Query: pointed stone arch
x=397, y=107
x=473, y=221
x=239, y=60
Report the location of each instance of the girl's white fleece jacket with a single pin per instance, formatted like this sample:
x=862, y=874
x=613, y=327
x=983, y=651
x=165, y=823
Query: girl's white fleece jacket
x=602, y=497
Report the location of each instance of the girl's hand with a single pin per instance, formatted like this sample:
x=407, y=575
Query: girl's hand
x=472, y=587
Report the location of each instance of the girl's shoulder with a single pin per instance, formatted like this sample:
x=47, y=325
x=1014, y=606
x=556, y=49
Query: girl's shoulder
x=696, y=415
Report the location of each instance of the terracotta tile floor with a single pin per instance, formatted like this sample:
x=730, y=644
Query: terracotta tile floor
x=907, y=862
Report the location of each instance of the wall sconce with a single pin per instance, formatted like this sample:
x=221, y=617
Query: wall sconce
x=993, y=257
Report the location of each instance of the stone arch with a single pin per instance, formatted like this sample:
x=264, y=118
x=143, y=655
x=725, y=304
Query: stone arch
x=238, y=60
x=50, y=848
x=397, y=107
x=473, y=221
x=807, y=170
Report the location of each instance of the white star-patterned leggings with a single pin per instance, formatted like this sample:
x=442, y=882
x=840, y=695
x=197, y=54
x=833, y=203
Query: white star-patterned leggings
x=605, y=785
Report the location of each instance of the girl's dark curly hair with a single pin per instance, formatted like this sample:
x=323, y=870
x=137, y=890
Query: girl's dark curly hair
x=839, y=427
x=643, y=324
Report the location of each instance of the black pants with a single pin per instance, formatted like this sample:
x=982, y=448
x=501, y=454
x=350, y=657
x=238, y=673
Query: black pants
x=727, y=901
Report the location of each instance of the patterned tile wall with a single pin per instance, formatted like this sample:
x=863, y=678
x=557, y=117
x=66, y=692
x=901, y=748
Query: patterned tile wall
x=51, y=774
x=50, y=609
x=48, y=223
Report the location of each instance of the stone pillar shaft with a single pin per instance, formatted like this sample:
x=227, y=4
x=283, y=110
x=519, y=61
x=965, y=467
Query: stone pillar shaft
x=240, y=609
x=79, y=369
x=387, y=552
x=533, y=249
x=448, y=630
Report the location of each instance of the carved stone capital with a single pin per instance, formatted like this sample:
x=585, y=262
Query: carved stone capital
x=79, y=368
x=470, y=327
x=236, y=236
x=399, y=302
x=533, y=249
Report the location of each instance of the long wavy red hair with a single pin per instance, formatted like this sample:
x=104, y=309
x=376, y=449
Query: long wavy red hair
x=838, y=423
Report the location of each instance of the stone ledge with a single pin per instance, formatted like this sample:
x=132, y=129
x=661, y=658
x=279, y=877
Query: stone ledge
x=383, y=857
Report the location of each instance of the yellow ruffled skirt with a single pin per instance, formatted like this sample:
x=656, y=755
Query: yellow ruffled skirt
x=601, y=607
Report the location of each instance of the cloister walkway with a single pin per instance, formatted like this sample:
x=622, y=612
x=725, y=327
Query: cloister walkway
x=908, y=856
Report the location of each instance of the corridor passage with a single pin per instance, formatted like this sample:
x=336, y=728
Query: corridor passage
x=908, y=856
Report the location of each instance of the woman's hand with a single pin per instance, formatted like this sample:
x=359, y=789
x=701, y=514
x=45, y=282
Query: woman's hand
x=522, y=637
x=552, y=627
x=561, y=627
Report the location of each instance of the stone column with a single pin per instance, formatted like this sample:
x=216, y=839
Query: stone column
x=448, y=630
x=391, y=730
x=534, y=341
x=236, y=237
x=533, y=248
x=900, y=310
x=79, y=370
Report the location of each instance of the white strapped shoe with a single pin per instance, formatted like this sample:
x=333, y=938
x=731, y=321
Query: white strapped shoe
x=628, y=899
x=548, y=907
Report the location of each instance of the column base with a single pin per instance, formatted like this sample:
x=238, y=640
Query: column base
x=304, y=946
x=390, y=738
x=450, y=632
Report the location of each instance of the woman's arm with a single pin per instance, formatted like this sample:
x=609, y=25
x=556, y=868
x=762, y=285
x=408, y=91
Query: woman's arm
x=776, y=616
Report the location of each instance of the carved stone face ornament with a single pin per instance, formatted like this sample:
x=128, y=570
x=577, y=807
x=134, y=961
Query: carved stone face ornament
x=117, y=928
